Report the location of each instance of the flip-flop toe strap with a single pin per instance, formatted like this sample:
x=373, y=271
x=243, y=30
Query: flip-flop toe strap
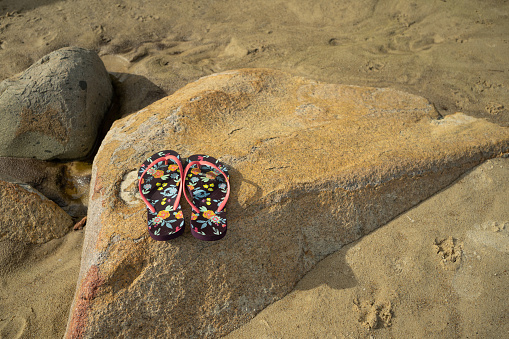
x=166, y=158
x=209, y=164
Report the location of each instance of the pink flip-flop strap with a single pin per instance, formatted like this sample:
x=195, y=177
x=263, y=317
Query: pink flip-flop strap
x=206, y=163
x=166, y=158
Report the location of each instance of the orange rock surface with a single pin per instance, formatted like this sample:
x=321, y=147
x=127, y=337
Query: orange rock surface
x=313, y=167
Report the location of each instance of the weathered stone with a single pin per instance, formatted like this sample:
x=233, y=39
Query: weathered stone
x=312, y=167
x=55, y=107
x=29, y=217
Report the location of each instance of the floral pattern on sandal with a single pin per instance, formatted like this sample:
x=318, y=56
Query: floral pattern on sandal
x=160, y=178
x=207, y=184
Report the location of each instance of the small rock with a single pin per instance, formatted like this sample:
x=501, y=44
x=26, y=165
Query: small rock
x=79, y=225
x=27, y=216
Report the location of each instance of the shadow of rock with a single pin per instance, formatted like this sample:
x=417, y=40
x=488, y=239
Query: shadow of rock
x=65, y=184
x=131, y=93
x=333, y=271
x=46, y=177
x=135, y=92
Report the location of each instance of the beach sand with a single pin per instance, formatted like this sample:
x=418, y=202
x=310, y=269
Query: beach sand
x=37, y=286
x=390, y=283
x=437, y=271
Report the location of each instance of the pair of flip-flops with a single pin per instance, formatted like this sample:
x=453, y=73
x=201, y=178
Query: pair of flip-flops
x=161, y=181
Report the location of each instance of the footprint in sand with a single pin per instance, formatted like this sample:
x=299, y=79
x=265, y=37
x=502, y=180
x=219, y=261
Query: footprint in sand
x=46, y=39
x=373, y=66
x=422, y=44
x=492, y=234
x=449, y=252
x=339, y=41
x=373, y=314
x=404, y=44
x=482, y=243
x=494, y=108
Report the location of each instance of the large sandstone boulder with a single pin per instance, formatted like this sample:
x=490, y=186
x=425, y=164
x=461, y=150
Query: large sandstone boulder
x=312, y=166
x=54, y=108
x=27, y=216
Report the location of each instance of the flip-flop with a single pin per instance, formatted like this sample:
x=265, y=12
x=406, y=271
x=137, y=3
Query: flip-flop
x=208, y=186
x=159, y=183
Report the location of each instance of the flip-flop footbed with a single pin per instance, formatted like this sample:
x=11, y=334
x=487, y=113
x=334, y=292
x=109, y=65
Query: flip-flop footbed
x=160, y=186
x=207, y=188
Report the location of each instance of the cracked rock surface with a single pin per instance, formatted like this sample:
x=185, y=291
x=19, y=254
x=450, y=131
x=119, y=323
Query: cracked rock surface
x=313, y=167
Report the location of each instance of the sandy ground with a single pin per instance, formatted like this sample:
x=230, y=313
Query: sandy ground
x=391, y=283
x=37, y=286
x=439, y=270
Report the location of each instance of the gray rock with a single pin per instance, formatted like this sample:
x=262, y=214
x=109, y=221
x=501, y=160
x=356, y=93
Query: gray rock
x=54, y=108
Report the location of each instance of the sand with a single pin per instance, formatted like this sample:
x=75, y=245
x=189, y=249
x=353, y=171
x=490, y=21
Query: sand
x=454, y=54
x=37, y=286
x=437, y=271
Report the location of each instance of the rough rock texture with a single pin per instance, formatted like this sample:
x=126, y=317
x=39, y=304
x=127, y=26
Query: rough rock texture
x=55, y=107
x=29, y=217
x=312, y=167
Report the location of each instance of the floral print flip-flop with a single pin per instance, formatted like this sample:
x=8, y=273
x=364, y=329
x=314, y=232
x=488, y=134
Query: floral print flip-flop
x=160, y=186
x=208, y=186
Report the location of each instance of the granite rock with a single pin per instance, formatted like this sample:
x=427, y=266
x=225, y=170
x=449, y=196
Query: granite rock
x=313, y=167
x=54, y=108
x=27, y=216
